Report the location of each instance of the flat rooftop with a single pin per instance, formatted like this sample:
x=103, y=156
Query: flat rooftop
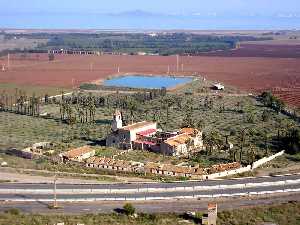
x=138, y=125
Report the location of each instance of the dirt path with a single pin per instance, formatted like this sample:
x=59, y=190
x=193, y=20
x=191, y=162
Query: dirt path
x=38, y=176
x=269, y=171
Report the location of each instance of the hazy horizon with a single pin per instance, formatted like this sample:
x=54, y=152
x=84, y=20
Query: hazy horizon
x=155, y=14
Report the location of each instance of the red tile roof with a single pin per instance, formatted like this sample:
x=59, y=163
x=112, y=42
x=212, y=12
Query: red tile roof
x=78, y=152
x=189, y=131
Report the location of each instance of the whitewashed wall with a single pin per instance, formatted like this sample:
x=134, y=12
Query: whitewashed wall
x=264, y=160
x=248, y=168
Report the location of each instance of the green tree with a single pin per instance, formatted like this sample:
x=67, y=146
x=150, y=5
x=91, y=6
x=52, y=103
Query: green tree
x=266, y=137
x=128, y=209
x=266, y=115
x=243, y=135
x=51, y=57
x=213, y=141
x=251, y=155
x=132, y=106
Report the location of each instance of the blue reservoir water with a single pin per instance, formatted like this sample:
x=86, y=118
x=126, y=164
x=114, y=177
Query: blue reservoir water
x=147, y=81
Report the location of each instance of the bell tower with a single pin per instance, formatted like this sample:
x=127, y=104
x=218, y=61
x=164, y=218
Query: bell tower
x=117, y=121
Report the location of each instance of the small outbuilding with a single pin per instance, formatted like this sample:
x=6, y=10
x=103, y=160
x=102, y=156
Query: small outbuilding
x=78, y=154
x=218, y=86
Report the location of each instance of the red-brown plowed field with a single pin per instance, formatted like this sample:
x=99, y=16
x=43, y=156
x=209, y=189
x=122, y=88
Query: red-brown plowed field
x=260, y=50
x=290, y=96
x=248, y=73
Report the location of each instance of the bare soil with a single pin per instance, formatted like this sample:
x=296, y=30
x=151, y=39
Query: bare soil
x=252, y=74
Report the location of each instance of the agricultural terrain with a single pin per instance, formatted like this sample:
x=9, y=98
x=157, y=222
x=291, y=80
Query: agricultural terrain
x=21, y=43
x=222, y=115
x=251, y=74
x=245, y=71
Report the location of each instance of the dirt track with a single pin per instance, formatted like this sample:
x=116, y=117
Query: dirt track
x=248, y=73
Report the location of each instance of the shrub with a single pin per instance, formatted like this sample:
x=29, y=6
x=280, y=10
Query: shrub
x=51, y=57
x=128, y=209
x=13, y=211
x=266, y=116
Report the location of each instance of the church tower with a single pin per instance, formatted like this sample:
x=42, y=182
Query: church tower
x=117, y=121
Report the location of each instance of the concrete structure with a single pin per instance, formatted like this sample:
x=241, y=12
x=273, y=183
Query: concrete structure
x=153, y=34
x=117, y=121
x=187, y=140
x=145, y=136
x=37, y=150
x=118, y=165
x=172, y=170
x=264, y=160
x=74, y=52
x=232, y=171
x=218, y=86
x=195, y=172
x=124, y=136
x=78, y=154
x=211, y=217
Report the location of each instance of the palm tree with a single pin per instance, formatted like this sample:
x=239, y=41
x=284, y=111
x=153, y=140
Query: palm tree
x=232, y=154
x=132, y=106
x=251, y=155
x=200, y=124
x=242, y=142
x=266, y=137
x=212, y=140
x=80, y=112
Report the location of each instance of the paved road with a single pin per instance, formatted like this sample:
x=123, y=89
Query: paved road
x=143, y=195
x=151, y=185
x=148, y=207
x=67, y=192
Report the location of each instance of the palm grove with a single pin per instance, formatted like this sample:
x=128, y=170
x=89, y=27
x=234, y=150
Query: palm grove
x=172, y=111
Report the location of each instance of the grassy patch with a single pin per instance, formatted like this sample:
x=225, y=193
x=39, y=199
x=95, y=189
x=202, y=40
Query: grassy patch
x=5, y=181
x=282, y=214
x=106, y=152
x=10, y=89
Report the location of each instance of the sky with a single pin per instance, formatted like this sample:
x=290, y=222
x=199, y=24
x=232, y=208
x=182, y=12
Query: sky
x=161, y=6
x=150, y=14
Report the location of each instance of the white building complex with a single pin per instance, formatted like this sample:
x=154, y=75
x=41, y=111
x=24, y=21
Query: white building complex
x=145, y=136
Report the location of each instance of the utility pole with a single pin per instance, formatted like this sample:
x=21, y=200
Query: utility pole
x=177, y=57
x=73, y=83
x=54, y=192
x=182, y=67
x=8, y=61
x=118, y=69
x=168, y=69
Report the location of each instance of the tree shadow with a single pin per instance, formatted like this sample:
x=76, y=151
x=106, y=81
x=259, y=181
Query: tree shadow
x=103, y=121
x=101, y=142
x=186, y=216
x=119, y=210
x=38, y=201
x=294, y=159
